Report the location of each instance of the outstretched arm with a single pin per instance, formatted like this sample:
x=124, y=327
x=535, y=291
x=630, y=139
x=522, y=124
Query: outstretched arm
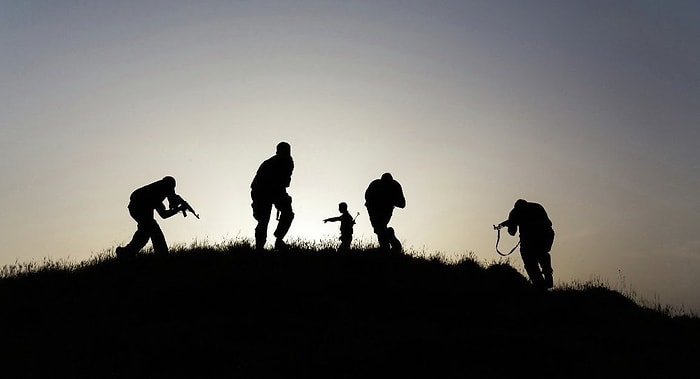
x=332, y=219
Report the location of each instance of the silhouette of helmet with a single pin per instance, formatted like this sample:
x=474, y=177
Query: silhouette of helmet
x=283, y=148
x=169, y=180
x=343, y=206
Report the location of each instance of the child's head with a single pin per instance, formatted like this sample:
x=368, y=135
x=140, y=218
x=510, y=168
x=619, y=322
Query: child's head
x=343, y=207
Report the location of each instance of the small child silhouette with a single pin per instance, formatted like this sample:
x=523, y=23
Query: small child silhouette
x=346, y=225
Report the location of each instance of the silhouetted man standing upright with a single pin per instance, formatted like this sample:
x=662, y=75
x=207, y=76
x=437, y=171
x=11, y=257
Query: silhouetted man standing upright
x=142, y=203
x=536, y=239
x=381, y=197
x=269, y=187
x=346, y=226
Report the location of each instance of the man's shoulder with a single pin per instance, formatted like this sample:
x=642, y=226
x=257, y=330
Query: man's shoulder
x=144, y=189
x=375, y=183
x=535, y=208
x=280, y=160
x=271, y=163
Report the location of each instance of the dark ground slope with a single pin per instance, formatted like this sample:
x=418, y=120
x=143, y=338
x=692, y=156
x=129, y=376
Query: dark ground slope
x=236, y=314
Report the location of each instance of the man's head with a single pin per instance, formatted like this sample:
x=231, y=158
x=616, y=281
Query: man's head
x=169, y=181
x=519, y=203
x=284, y=149
x=387, y=177
x=343, y=207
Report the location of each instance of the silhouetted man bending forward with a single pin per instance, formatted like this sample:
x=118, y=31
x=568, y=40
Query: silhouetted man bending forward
x=269, y=187
x=381, y=197
x=536, y=239
x=142, y=203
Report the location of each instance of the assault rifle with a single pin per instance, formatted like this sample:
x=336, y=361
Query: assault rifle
x=184, y=206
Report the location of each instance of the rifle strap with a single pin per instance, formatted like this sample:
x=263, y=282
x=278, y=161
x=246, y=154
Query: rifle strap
x=498, y=239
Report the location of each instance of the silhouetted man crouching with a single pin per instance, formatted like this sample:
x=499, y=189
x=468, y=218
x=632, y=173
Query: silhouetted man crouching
x=143, y=202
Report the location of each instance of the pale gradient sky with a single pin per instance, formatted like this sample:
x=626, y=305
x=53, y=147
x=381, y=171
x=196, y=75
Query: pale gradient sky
x=591, y=108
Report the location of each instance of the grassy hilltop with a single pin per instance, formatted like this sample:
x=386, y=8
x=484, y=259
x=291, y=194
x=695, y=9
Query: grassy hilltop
x=227, y=312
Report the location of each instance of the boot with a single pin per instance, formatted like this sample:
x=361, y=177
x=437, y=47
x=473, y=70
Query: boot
x=280, y=245
x=123, y=252
x=259, y=245
x=548, y=280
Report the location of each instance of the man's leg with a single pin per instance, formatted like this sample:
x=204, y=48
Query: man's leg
x=345, y=241
x=160, y=247
x=142, y=234
x=261, y=213
x=394, y=242
x=138, y=241
x=379, y=221
x=546, y=259
x=284, y=205
x=532, y=268
x=546, y=264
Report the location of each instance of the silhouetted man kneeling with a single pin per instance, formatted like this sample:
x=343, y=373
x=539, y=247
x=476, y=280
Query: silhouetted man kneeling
x=269, y=187
x=536, y=239
x=381, y=197
x=143, y=202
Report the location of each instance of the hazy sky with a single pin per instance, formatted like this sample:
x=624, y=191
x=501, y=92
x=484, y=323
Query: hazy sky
x=591, y=108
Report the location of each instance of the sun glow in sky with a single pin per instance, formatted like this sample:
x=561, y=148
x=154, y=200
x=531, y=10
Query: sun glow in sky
x=589, y=108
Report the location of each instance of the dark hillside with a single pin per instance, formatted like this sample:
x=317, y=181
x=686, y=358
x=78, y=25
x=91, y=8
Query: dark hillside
x=232, y=313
